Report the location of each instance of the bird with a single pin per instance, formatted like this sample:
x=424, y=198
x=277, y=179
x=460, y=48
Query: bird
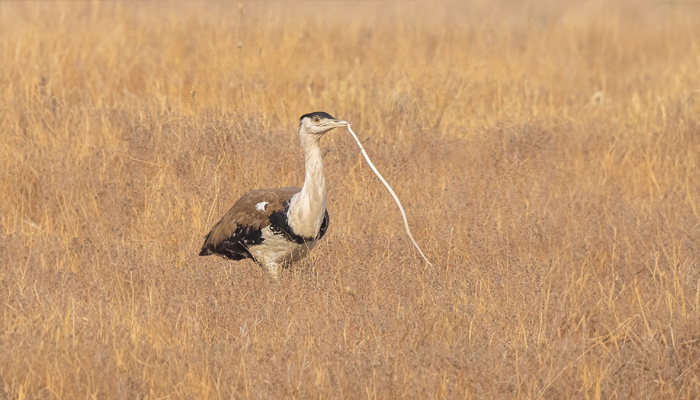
x=276, y=227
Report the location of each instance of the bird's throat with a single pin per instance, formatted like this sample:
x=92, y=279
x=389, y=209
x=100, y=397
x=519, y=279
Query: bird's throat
x=308, y=207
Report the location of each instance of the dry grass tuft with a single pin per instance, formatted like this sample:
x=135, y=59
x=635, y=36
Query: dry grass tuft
x=548, y=156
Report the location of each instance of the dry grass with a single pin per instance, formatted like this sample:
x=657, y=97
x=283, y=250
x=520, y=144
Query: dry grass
x=564, y=225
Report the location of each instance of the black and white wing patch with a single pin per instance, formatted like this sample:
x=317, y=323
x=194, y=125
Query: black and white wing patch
x=242, y=226
x=236, y=246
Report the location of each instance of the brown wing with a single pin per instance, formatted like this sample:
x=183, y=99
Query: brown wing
x=242, y=225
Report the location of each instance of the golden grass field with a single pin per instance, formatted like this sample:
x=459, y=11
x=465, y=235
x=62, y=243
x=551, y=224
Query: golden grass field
x=547, y=155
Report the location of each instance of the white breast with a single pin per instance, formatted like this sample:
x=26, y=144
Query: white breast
x=306, y=212
x=276, y=249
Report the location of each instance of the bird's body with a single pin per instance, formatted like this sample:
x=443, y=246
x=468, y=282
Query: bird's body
x=257, y=227
x=276, y=227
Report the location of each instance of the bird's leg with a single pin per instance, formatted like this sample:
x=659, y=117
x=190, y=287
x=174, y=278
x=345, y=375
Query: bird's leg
x=274, y=270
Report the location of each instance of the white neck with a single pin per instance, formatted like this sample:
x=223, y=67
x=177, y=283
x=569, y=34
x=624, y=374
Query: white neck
x=308, y=207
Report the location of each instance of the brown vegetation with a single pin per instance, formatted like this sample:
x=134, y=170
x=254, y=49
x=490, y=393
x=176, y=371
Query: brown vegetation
x=547, y=154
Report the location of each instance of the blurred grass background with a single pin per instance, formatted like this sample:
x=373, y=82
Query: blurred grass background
x=547, y=155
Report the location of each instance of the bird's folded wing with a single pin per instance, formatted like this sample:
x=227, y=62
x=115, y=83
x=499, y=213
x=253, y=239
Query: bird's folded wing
x=243, y=223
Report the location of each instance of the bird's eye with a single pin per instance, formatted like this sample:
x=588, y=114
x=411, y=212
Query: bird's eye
x=317, y=120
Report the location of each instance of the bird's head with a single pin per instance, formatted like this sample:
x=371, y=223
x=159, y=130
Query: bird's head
x=318, y=123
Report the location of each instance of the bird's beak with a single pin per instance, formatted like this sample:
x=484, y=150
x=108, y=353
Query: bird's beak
x=338, y=123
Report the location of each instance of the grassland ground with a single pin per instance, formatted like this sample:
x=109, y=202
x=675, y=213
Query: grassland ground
x=547, y=154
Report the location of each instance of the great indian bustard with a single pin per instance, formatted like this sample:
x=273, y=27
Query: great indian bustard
x=276, y=227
